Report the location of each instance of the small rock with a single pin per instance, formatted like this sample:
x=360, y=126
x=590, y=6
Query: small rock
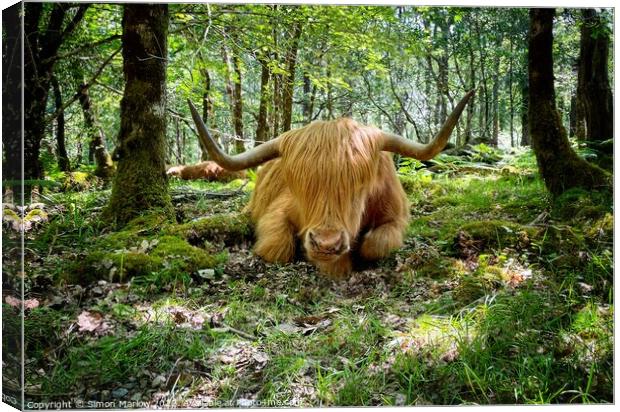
x=120, y=392
x=158, y=381
x=288, y=328
x=206, y=273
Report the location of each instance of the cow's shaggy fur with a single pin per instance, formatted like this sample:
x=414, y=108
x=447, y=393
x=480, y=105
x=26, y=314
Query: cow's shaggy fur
x=208, y=170
x=330, y=175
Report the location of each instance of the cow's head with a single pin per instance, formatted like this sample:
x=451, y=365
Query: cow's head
x=329, y=169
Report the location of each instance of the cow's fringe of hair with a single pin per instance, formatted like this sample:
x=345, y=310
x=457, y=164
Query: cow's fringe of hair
x=328, y=166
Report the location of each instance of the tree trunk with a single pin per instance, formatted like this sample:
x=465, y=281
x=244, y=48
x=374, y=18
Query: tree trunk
x=262, y=126
x=97, y=150
x=179, y=143
x=594, y=80
x=559, y=165
x=233, y=89
x=495, y=96
x=140, y=183
x=309, y=98
x=207, y=112
x=511, y=96
x=329, y=104
x=12, y=46
x=43, y=46
x=289, y=83
x=525, y=121
x=572, y=115
x=470, y=106
x=276, y=115
x=238, y=110
x=61, y=149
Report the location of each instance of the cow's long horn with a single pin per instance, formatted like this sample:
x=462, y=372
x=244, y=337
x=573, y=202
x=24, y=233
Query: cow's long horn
x=253, y=157
x=408, y=148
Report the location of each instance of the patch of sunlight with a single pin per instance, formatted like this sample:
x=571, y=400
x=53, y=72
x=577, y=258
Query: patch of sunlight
x=441, y=335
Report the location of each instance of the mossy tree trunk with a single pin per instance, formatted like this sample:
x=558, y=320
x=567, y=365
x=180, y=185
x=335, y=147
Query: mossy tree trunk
x=96, y=145
x=560, y=167
x=593, y=78
x=140, y=183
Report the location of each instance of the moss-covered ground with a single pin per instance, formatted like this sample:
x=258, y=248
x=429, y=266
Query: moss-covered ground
x=501, y=295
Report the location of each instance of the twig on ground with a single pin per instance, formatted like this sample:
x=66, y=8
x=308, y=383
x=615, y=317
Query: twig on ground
x=241, y=333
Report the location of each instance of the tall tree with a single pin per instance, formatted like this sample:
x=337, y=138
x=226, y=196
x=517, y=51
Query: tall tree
x=96, y=136
x=12, y=86
x=207, y=109
x=593, y=77
x=45, y=31
x=560, y=167
x=140, y=183
x=262, y=125
x=289, y=80
x=232, y=62
x=61, y=149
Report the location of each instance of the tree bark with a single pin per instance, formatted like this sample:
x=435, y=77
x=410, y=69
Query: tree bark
x=207, y=111
x=61, y=149
x=97, y=150
x=238, y=109
x=559, y=165
x=233, y=90
x=289, y=82
x=262, y=125
x=309, y=99
x=42, y=45
x=525, y=120
x=495, y=96
x=470, y=106
x=140, y=183
x=12, y=46
x=511, y=95
x=594, y=80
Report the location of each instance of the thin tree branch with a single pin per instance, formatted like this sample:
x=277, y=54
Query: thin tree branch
x=79, y=15
x=82, y=48
x=86, y=86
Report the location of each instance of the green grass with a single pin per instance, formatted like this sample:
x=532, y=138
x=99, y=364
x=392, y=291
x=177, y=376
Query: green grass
x=525, y=316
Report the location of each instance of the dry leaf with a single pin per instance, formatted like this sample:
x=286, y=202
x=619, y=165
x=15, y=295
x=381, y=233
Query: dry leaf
x=92, y=322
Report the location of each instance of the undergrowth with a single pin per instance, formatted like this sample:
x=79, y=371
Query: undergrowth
x=501, y=295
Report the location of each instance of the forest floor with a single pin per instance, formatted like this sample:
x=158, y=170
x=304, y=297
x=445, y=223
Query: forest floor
x=501, y=295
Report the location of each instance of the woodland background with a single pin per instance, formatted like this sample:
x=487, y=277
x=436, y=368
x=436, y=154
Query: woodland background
x=141, y=287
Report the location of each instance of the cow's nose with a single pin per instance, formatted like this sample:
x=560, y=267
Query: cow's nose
x=328, y=241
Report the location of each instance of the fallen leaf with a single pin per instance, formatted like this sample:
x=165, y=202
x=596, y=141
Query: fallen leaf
x=10, y=300
x=16, y=303
x=260, y=357
x=92, y=322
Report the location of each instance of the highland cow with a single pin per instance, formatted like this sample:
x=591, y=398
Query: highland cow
x=333, y=186
x=208, y=170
